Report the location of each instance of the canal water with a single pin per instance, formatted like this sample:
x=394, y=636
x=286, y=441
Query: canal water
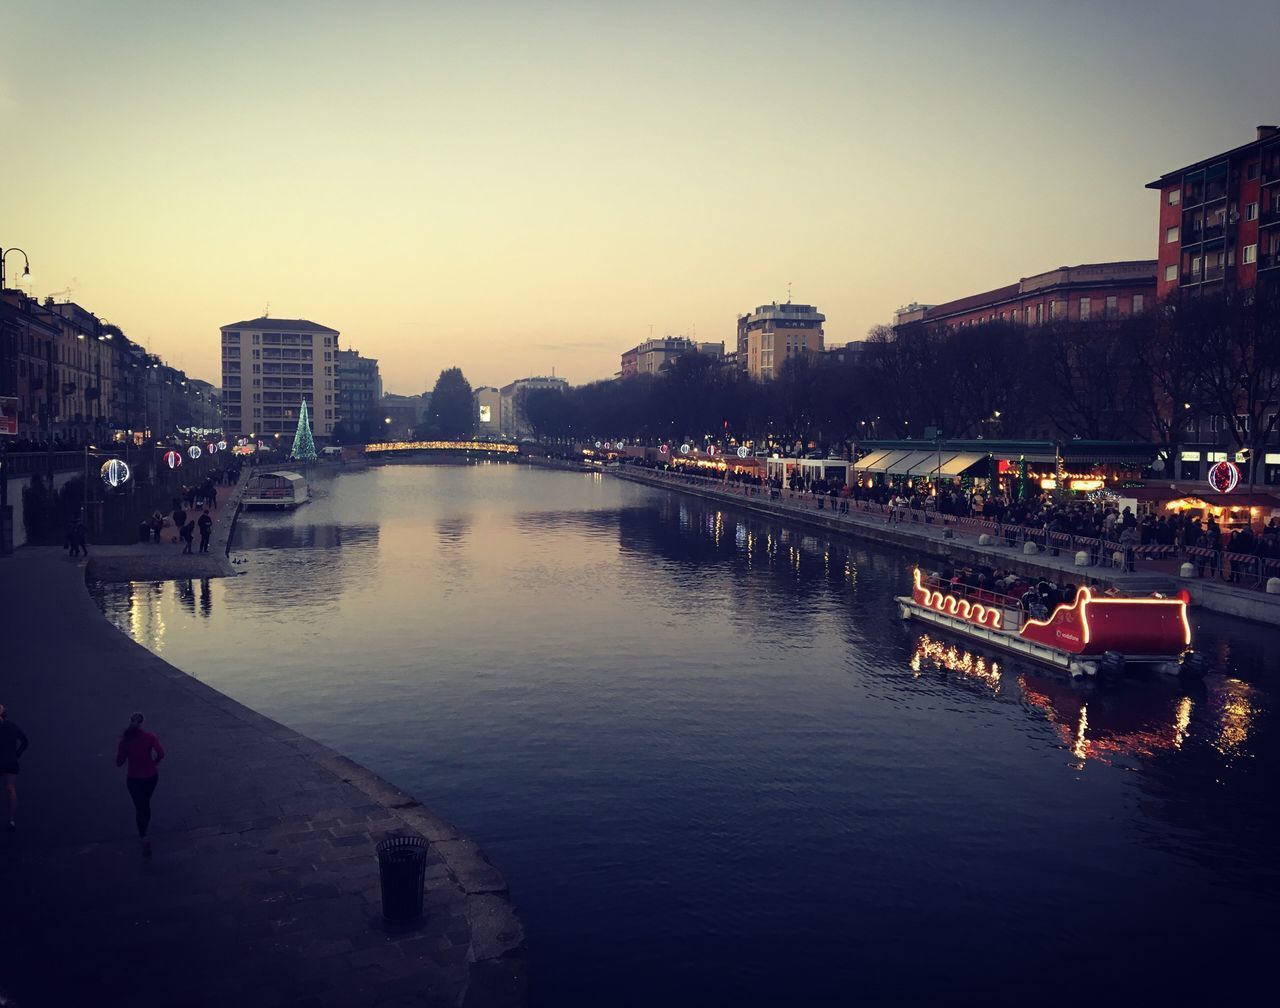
x=715, y=766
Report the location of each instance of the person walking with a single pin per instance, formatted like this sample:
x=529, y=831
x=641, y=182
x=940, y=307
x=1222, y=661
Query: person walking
x=13, y=743
x=206, y=529
x=143, y=752
x=188, y=533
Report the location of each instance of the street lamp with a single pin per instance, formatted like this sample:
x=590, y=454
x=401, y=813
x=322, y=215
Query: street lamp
x=26, y=265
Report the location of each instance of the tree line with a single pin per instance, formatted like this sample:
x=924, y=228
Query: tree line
x=1159, y=376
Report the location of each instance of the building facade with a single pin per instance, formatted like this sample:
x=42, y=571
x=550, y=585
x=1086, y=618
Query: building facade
x=1219, y=224
x=401, y=416
x=511, y=421
x=359, y=390
x=773, y=333
x=652, y=356
x=1073, y=293
x=269, y=366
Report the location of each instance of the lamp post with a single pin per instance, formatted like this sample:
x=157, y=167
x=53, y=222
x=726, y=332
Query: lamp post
x=26, y=264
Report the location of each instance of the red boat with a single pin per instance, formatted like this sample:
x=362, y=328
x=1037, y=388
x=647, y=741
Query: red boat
x=1089, y=635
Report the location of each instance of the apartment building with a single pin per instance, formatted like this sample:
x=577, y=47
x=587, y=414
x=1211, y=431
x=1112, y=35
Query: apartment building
x=511, y=420
x=359, y=389
x=1219, y=220
x=1076, y=293
x=772, y=333
x=269, y=366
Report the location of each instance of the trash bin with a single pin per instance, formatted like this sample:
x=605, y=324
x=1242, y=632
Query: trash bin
x=402, y=868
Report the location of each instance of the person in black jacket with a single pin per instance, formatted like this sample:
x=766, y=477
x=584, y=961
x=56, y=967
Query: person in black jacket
x=206, y=527
x=13, y=743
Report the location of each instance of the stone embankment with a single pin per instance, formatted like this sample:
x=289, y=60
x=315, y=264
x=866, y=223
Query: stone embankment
x=263, y=889
x=929, y=538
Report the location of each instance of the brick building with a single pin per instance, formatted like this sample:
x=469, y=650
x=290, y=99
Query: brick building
x=1076, y=293
x=1220, y=220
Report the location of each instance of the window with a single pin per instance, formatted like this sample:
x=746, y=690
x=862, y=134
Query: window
x=1251, y=172
x=1251, y=211
x=1139, y=302
x=1174, y=197
x=1250, y=253
x=1086, y=306
x=1242, y=423
x=1216, y=423
x=1170, y=234
x=1171, y=272
x=1190, y=428
x=1111, y=306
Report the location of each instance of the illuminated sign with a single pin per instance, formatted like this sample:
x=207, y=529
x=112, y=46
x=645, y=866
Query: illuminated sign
x=8, y=415
x=115, y=472
x=173, y=459
x=486, y=414
x=194, y=452
x=1224, y=476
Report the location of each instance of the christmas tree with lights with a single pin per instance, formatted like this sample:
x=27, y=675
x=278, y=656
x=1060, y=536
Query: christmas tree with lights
x=304, y=447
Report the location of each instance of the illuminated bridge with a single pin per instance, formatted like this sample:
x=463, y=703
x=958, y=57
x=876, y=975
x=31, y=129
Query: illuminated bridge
x=444, y=449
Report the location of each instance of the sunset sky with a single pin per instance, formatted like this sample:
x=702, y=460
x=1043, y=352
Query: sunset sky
x=520, y=187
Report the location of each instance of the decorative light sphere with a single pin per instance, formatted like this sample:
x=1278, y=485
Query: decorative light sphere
x=173, y=459
x=1224, y=476
x=598, y=445
x=742, y=452
x=212, y=449
x=194, y=452
x=684, y=448
x=115, y=472
x=665, y=449
x=222, y=446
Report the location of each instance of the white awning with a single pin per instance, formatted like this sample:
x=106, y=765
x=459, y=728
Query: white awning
x=911, y=460
x=959, y=462
x=885, y=460
x=873, y=459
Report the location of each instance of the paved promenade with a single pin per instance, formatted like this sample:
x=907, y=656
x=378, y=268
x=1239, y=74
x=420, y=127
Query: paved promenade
x=263, y=888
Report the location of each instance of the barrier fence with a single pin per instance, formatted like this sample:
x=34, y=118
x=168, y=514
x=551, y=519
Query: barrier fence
x=1244, y=570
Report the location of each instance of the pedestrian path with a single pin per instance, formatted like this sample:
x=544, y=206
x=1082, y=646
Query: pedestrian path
x=263, y=888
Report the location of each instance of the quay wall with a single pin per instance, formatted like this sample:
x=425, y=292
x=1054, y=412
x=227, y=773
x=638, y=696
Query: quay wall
x=18, y=484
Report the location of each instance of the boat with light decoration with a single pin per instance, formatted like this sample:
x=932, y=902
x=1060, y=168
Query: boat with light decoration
x=1092, y=634
x=278, y=489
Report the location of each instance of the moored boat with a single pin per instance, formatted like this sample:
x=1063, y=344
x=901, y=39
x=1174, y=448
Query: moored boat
x=276, y=489
x=1090, y=634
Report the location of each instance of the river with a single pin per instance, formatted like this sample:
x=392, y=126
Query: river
x=715, y=766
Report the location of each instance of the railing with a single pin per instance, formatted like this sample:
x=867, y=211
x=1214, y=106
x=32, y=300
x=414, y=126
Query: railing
x=1243, y=570
x=26, y=463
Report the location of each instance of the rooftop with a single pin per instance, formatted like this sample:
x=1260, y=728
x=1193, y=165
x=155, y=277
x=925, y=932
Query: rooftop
x=265, y=324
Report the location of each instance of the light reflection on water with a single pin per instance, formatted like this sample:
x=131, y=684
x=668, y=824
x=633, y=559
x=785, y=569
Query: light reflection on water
x=715, y=766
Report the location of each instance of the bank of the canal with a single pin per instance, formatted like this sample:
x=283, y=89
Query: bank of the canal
x=263, y=888
x=957, y=546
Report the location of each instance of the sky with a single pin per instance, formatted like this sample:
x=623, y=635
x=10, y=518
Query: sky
x=527, y=188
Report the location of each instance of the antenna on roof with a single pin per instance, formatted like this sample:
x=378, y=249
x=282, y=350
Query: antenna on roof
x=788, y=292
x=266, y=312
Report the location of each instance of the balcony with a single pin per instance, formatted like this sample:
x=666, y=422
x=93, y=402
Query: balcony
x=1212, y=273
x=1269, y=216
x=1188, y=277
x=1213, y=231
x=1271, y=261
x=1192, y=196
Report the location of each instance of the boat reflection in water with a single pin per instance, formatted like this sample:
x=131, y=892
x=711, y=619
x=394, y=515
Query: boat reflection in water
x=942, y=654
x=1113, y=721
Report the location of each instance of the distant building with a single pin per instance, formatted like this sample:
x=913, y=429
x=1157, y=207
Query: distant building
x=488, y=403
x=401, y=416
x=359, y=390
x=269, y=366
x=1220, y=220
x=1078, y=293
x=772, y=333
x=652, y=356
x=850, y=353
x=511, y=420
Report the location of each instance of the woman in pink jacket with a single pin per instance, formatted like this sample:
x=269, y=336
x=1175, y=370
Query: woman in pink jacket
x=143, y=752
